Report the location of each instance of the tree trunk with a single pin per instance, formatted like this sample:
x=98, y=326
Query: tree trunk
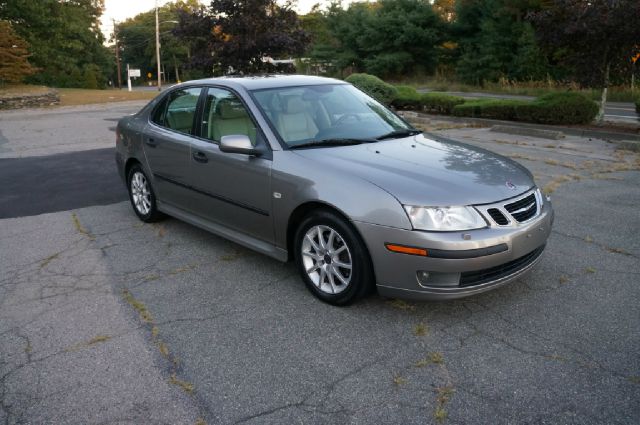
x=175, y=65
x=605, y=88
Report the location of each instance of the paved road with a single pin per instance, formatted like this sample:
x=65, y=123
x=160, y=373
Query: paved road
x=104, y=319
x=60, y=182
x=49, y=131
x=613, y=111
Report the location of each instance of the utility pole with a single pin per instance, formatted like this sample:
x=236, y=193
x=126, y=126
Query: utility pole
x=115, y=36
x=158, y=48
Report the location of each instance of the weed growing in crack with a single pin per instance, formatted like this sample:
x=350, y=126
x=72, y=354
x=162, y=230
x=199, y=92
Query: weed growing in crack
x=187, y=387
x=401, y=305
x=399, y=380
x=80, y=228
x=420, y=329
x=138, y=306
x=93, y=341
x=49, y=259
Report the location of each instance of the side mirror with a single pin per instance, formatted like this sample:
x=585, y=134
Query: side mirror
x=238, y=143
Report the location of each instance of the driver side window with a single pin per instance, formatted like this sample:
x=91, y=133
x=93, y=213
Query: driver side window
x=225, y=115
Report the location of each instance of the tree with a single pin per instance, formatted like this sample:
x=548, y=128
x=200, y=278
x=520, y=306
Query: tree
x=388, y=38
x=594, y=37
x=136, y=37
x=322, y=43
x=446, y=9
x=496, y=41
x=237, y=34
x=64, y=38
x=14, y=54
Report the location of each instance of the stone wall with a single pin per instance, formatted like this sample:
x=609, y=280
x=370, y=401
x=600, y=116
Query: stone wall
x=37, y=100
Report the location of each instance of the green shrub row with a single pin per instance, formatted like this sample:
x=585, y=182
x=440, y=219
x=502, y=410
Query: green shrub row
x=437, y=103
x=440, y=103
x=374, y=87
x=552, y=108
x=407, y=98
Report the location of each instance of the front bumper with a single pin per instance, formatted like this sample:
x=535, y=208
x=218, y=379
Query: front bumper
x=467, y=263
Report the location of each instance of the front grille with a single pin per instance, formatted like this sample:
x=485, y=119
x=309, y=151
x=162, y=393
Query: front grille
x=523, y=209
x=497, y=216
x=478, y=277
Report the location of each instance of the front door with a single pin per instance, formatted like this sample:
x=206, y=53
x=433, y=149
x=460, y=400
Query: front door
x=167, y=145
x=233, y=189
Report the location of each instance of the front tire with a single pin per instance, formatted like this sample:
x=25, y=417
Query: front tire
x=332, y=259
x=142, y=196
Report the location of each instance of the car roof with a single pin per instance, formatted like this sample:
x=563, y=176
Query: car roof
x=267, y=81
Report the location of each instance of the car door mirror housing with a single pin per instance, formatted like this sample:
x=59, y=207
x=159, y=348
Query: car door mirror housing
x=238, y=143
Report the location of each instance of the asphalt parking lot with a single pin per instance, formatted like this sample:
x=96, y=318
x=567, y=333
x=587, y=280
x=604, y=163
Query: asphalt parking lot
x=104, y=319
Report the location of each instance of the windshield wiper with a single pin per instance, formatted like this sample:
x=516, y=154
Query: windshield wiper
x=396, y=134
x=332, y=142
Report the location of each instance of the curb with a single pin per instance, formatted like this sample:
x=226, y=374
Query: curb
x=524, y=131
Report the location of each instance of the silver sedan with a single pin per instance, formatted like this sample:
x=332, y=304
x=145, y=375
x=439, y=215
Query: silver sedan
x=313, y=170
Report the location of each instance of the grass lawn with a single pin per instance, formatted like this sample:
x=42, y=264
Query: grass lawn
x=533, y=88
x=69, y=97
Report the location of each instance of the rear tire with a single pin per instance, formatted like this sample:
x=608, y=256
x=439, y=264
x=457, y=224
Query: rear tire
x=332, y=259
x=142, y=196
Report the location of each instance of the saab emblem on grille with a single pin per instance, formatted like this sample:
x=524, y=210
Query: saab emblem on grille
x=511, y=185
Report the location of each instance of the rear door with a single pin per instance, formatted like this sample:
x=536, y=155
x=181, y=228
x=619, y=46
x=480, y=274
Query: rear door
x=167, y=145
x=232, y=189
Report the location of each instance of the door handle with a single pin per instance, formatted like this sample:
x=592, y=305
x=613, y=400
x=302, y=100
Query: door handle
x=200, y=156
x=151, y=142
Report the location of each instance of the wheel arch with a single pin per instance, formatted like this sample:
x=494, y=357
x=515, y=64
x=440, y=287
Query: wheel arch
x=304, y=209
x=128, y=165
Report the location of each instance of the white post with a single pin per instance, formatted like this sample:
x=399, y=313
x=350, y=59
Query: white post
x=128, y=78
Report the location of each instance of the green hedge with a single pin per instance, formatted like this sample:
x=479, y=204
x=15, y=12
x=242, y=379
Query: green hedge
x=559, y=108
x=440, y=103
x=553, y=108
x=498, y=109
x=374, y=87
x=407, y=98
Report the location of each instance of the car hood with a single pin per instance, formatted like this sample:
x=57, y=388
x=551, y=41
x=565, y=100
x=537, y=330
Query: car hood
x=421, y=171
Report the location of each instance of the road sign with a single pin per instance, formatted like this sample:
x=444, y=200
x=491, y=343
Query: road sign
x=134, y=72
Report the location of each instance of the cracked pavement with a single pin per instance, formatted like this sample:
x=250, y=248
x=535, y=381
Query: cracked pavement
x=104, y=319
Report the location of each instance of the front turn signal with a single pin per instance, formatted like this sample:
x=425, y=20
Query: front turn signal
x=406, y=249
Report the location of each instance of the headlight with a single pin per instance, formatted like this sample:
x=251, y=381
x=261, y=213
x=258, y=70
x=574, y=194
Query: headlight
x=445, y=218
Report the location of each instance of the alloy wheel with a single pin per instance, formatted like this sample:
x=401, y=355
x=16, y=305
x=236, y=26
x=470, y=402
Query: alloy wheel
x=140, y=193
x=326, y=259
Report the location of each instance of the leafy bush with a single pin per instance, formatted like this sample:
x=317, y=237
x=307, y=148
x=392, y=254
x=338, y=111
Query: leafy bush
x=552, y=108
x=374, y=87
x=559, y=108
x=498, y=109
x=407, y=98
x=440, y=103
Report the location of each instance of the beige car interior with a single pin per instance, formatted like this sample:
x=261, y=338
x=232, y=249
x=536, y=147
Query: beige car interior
x=295, y=122
x=228, y=117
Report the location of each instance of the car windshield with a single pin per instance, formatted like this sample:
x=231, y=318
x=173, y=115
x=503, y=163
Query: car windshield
x=309, y=115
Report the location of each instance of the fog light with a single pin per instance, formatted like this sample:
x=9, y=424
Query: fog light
x=423, y=277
